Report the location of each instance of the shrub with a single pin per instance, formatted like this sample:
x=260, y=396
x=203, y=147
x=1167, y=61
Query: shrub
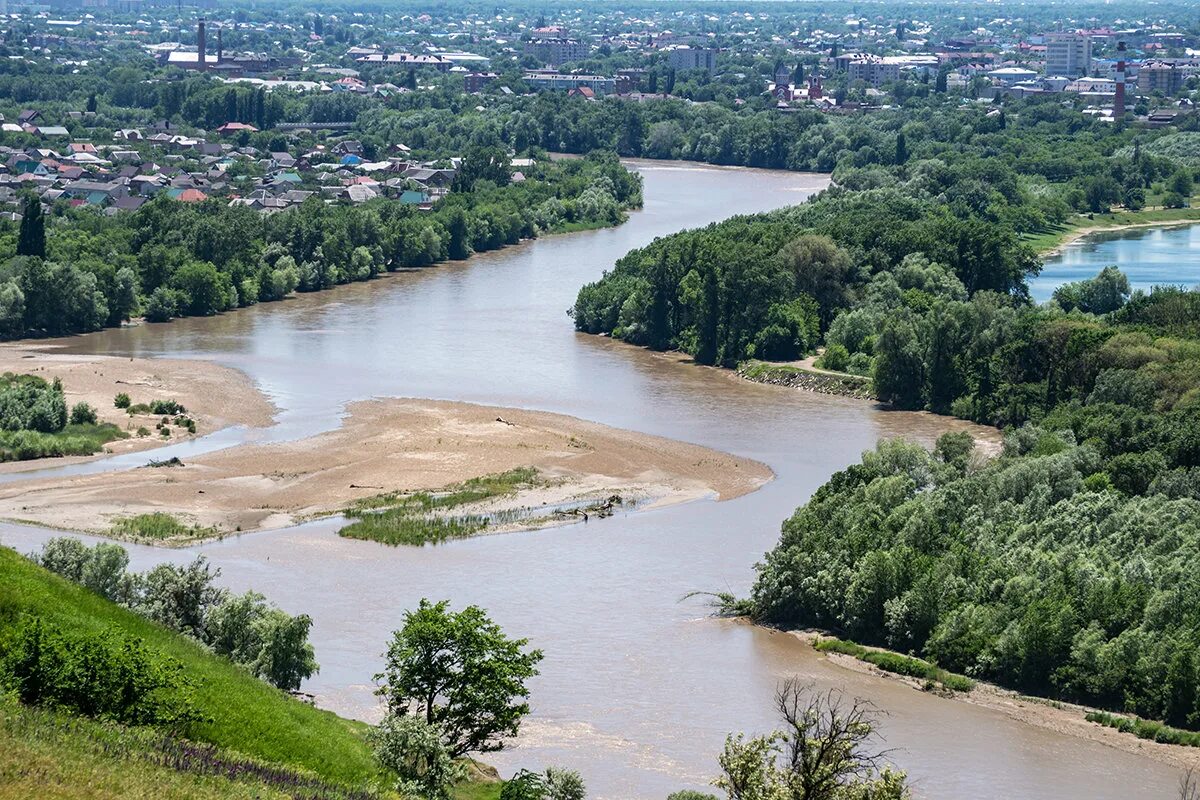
x=564, y=784
x=83, y=414
x=122, y=400
x=105, y=675
x=413, y=749
x=168, y=408
x=835, y=358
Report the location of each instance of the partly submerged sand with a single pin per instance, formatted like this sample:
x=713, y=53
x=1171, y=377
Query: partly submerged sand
x=1067, y=719
x=215, y=396
x=384, y=446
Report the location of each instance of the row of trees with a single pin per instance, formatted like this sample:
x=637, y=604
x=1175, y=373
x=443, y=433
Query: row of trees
x=245, y=628
x=167, y=259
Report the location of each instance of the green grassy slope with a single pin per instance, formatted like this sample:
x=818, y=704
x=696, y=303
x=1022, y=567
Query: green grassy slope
x=248, y=716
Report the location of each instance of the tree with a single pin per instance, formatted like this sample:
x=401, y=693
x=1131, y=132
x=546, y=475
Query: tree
x=231, y=628
x=459, y=671
x=460, y=235
x=413, y=749
x=180, y=597
x=823, y=753
x=901, y=149
x=31, y=239
x=899, y=374
x=285, y=658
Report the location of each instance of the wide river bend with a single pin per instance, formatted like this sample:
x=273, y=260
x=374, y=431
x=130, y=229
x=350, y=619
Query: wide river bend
x=638, y=688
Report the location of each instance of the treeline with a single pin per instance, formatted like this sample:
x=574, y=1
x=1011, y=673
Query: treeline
x=954, y=190
x=270, y=643
x=171, y=259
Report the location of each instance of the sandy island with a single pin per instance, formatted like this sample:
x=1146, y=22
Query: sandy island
x=215, y=396
x=1066, y=719
x=385, y=446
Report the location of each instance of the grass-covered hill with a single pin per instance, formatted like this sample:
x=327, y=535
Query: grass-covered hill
x=54, y=754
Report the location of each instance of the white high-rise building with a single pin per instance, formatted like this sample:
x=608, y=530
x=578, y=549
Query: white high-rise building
x=1068, y=55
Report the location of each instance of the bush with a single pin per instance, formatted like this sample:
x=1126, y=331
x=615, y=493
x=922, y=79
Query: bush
x=413, y=749
x=167, y=408
x=122, y=400
x=564, y=784
x=83, y=414
x=105, y=675
x=836, y=358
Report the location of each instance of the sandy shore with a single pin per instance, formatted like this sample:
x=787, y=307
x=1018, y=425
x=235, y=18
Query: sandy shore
x=215, y=396
x=1083, y=233
x=1062, y=718
x=384, y=446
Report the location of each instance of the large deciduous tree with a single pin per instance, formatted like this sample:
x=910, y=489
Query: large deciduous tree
x=460, y=672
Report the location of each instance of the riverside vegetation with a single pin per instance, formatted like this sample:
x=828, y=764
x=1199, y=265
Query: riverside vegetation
x=1062, y=568
x=112, y=682
x=82, y=271
x=35, y=423
x=427, y=517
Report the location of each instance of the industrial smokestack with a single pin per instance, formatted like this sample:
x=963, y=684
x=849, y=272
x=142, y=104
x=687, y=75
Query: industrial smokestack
x=1119, y=100
x=201, y=63
x=220, y=48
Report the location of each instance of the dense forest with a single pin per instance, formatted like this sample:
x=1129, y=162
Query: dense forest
x=79, y=270
x=937, y=208
x=1065, y=566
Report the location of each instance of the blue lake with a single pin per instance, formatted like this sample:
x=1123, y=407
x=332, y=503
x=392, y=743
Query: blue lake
x=1149, y=256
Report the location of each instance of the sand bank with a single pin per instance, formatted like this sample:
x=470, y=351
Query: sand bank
x=386, y=446
x=1062, y=718
x=215, y=396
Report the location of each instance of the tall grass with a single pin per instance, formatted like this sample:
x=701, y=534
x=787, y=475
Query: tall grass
x=73, y=440
x=49, y=754
x=1146, y=729
x=159, y=526
x=897, y=663
x=418, y=518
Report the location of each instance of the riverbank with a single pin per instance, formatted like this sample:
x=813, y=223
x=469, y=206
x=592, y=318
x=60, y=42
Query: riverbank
x=1067, y=719
x=388, y=446
x=215, y=397
x=1079, y=227
x=810, y=379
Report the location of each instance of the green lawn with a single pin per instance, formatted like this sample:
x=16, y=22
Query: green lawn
x=1113, y=220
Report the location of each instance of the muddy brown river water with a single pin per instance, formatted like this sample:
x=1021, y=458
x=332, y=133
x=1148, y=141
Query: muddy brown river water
x=639, y=687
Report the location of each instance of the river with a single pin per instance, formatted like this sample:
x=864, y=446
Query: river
x=1148, y=256
x=638, y=688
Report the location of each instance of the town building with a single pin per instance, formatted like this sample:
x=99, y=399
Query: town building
x=556, y=81
x=1160, y=76
x=557, y=51
x=1068, y=54
x=685, y=58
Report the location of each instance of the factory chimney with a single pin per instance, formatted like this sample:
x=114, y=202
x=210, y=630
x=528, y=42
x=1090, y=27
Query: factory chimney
x=220, y=48
x=1119, y=100
x=201, y=61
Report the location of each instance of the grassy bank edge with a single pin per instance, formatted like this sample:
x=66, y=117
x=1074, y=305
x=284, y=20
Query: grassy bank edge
x=1078, y=227
x=897, y=663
